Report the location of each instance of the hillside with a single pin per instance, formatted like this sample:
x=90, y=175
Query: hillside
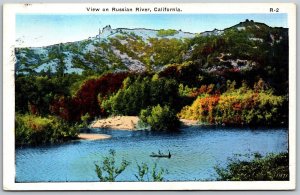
x=112, y=49
x=242, y=47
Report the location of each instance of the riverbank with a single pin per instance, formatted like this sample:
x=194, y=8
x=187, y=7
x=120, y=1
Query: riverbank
x=117, y=122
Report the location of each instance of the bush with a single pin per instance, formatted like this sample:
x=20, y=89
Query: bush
x=165, y=33
x=273, y=167
x=250, y=107
x=160, y=118
x=237, y=107
x=203, y=109
x=85, y=119
x=108, y=171
x=143, y=171
x=36, y=130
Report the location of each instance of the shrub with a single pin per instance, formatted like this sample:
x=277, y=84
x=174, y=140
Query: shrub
x=273, y=167
x=160, y=118
x=186, y=90
x=236, y=107
x=143, y=171
x=108, y=171
x=36, y=130
x=203, y=109
x=85, y=119
x=168, y=32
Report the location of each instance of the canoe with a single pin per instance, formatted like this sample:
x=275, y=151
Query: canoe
x=161, y=155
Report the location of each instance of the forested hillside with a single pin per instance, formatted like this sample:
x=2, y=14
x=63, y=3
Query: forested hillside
x=234, y=76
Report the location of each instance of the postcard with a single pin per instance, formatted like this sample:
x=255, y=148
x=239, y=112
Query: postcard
x=155, y=96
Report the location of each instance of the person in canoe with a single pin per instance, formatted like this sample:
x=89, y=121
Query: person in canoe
x=161, y=155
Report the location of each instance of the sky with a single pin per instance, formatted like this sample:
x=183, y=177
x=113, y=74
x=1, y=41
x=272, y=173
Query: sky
x=42, y=30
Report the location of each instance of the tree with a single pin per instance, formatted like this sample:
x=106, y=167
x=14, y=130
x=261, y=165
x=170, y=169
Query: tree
x=160, y=118
x=61, y=67
x=142, y=93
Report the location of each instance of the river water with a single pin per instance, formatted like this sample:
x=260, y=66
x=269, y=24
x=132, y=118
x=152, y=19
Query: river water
x=195, y=151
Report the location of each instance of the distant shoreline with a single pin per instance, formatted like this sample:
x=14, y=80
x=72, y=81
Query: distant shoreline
x=128, y=123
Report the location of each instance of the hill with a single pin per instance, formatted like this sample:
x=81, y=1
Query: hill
x=242, y=47
x=112, y=49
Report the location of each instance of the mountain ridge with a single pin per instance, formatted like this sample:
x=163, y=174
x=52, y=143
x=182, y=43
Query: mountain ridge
x=141, y=49
x=152, y=29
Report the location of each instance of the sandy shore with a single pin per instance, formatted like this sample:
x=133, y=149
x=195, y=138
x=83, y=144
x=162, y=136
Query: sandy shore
x=93, y=136
x=117, y=122
x=189, y=122
x=128, y=123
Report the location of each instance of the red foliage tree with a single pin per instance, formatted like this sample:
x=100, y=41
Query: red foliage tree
x=86, y=99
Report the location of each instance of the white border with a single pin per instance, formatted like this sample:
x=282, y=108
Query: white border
x=9, y=12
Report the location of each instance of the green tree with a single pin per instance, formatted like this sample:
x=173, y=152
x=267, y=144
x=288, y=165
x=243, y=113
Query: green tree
x=160, y=118
x=61, y=67
x=141, y=93
x=40, y=91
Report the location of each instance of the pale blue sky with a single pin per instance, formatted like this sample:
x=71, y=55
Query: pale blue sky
x=42, y=30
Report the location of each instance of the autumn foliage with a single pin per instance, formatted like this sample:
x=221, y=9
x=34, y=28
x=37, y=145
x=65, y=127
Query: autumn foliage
x=202, y=109
x=86, y=99
x=237, y=107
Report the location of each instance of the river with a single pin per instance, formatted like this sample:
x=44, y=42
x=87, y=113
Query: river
x=195, y=151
